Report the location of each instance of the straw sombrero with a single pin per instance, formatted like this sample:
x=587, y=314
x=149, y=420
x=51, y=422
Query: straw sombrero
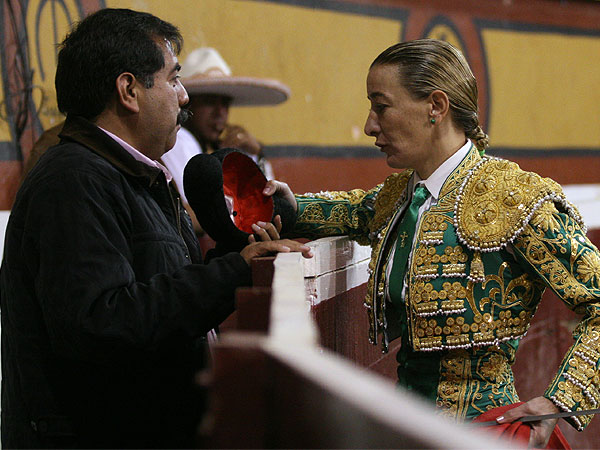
x=206, y=72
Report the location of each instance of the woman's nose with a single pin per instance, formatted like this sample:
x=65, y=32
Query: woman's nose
x=371, y=126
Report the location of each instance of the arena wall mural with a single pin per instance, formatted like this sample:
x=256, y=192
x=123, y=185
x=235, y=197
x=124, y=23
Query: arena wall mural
x=535, y=62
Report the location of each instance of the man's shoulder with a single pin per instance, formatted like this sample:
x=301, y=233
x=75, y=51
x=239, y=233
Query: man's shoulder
x=63, y=162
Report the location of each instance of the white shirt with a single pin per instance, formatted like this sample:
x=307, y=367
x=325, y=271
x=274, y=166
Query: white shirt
x=434, y=185
x=185, y=148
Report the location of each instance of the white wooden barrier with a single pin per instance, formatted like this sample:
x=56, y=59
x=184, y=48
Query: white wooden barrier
x=338, y=265
x=359, y=393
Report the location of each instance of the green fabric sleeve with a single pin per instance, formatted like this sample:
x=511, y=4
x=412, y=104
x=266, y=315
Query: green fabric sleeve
x=556, y=247
x=336, y=213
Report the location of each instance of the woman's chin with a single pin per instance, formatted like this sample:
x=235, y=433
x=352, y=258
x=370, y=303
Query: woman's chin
x=394, y=163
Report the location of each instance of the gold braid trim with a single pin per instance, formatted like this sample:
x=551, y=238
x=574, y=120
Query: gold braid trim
x=389, y=198
x=579, y=387
x=498, y=199
x=354, y=197
x=471, y=384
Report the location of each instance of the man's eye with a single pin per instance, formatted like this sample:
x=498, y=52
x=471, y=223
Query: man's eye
x=378, y=107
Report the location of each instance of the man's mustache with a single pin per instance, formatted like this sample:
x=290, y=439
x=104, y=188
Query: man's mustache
x=184, y=114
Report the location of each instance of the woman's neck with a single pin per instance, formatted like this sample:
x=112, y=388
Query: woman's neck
x=446, y=143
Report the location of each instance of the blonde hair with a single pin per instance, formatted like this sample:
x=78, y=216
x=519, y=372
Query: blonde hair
x=426, y=65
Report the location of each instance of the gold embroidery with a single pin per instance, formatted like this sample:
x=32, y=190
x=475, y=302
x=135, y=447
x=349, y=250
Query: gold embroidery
x=455, y=374
x=540, y=251
x=386, y=205
x=389, y=198
x=313, y=213
x=553, y=244
x=354, y=197
x=427, y=301
x=588, y=268
x=487, y=328
x=473, y=383
x=433, y=228
x=477, y=270
x=544, y=218
x=497, y=199
x=339, y=214
x=580, y=388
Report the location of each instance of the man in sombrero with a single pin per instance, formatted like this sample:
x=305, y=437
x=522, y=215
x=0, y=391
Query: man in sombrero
x=213, y=90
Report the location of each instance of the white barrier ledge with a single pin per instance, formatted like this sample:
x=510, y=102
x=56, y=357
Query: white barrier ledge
x=338, y=265
x=360, y=392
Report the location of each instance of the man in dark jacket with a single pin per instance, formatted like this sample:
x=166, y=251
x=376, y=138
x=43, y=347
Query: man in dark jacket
x=105, y=302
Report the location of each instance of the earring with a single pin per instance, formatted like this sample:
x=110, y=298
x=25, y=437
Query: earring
x=432, y=120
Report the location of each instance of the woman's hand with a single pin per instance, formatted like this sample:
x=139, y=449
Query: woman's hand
x=266, y=231
x=540, y=430
x=274, y=187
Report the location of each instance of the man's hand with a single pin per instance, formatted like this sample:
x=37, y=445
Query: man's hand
x=274, y=187
x=272, y=247
x=237, y=137
x=266, y=231
x=541, y=430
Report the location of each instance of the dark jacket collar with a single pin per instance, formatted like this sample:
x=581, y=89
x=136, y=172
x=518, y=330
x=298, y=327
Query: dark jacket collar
x=86, y=133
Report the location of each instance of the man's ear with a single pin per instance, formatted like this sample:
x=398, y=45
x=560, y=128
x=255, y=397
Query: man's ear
x=127, y=91
x=440, y=104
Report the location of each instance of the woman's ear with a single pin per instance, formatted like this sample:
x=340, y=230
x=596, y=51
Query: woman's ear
x=127, y=96
x=440, y=104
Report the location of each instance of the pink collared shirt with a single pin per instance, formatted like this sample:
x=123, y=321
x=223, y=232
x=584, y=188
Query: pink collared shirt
x=139, y=156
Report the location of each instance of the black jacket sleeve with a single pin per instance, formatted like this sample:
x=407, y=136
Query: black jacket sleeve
x=112, y=277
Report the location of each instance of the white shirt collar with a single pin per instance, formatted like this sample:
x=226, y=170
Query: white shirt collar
x=139, y=156
x=437, y=179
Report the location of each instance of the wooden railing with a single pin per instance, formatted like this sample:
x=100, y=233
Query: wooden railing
x=288, y=385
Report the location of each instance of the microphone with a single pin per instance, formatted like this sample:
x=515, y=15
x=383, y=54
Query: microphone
x=208, y=178
x=203, y=187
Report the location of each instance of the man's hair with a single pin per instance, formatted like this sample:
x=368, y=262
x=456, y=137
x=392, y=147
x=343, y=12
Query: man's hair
x=100, y=48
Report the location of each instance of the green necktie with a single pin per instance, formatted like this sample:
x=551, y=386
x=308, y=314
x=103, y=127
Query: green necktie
x=406, y=231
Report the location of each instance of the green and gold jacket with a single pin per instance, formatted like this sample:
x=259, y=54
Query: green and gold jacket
x=483, y=256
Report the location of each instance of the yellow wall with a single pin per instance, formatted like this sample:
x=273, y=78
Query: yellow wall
x=54, y=23
x=323, y=56
x=544, y=89
x=543, y=86
x=4, y=128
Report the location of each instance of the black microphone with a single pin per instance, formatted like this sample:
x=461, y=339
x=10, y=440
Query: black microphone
x=206, y=180
x=203, y=187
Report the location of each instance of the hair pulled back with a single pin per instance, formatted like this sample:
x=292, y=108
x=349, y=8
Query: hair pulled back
x=426, y=65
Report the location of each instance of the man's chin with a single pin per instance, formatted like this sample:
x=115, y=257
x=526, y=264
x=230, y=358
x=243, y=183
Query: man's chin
x=171, y=142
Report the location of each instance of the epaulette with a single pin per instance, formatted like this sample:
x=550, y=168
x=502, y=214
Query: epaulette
x=496, y=201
